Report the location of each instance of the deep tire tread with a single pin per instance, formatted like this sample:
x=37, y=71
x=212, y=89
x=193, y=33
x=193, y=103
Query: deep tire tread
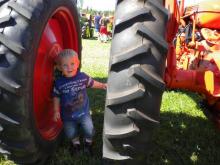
x=4, y=19
x=125, y=96
x=14, y=46
x=19, y=146
x=8, y=119
x=20, y=9
x=1, y=128
x=138, y=57
x=3, y=1
x=133, y=16
x=152, y=78
x=133, y=52
x=138, y=115
x=148, y=34
x=10, y=86
x=161, y=8
x=3, y=151
x=128, y=131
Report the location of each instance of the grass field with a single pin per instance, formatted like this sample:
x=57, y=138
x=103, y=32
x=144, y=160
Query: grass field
x=185, y=136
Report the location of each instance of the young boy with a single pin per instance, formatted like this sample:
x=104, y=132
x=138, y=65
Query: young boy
x=70, y=95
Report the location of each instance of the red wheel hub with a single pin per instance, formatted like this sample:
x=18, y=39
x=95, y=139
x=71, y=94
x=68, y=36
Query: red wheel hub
x=59, y=33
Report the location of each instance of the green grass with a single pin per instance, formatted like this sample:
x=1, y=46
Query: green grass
x=185, y=136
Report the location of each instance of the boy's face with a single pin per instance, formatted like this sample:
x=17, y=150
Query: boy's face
x=69, y=65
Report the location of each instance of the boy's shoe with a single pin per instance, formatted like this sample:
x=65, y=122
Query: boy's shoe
x=87, y=149
x=75, y=149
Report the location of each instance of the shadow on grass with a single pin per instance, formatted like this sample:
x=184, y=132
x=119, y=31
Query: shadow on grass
x=201, y=102
x=180, y=140
x=185, y=140
x=63, y=156
x=194, y=95
x=91, y=38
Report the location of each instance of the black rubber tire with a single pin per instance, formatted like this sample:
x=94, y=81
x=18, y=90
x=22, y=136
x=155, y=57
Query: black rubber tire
x=21, y=25
x=211, y=111
x=135, y=81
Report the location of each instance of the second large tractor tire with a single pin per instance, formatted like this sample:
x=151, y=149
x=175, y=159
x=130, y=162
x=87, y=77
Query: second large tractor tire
x=135, y=81
x=31, y=34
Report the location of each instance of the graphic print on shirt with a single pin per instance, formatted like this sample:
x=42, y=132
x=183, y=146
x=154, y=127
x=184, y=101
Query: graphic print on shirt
x=73, y=97
x=74, y=93
x=76, y=103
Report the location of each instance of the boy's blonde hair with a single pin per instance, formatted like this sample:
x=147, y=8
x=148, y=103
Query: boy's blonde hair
x=67, y=53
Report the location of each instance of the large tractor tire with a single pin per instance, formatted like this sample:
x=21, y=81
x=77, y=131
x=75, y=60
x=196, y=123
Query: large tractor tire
x=212, y=111
x=135, y=81
x=32, y=32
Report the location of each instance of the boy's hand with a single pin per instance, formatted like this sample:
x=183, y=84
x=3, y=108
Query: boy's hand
x=99, y=85
x=56, y=106
x=104, y=86
x=56, y=116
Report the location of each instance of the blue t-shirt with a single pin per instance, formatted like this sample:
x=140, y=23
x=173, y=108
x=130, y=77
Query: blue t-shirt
x=74, y=100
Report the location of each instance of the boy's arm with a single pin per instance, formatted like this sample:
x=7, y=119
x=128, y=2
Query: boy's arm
x=99, y=85
x=56, y=107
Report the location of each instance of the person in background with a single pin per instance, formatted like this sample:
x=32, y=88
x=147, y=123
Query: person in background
x=110, y=26
x=97, y=19
x=103, y=29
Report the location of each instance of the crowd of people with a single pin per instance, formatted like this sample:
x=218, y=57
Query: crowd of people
x=102, y=27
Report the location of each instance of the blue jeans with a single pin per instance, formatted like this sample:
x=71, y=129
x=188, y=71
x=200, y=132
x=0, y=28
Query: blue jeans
x=71, y=128
x=97, y=29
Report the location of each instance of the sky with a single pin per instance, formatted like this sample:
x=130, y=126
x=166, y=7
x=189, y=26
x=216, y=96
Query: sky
x=100, y=5
x=191, y=2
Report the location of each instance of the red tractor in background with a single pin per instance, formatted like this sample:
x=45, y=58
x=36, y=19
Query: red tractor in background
x=195, y=63
x=142, y=64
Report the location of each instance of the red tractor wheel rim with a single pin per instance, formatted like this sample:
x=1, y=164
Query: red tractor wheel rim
x=59, y=33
